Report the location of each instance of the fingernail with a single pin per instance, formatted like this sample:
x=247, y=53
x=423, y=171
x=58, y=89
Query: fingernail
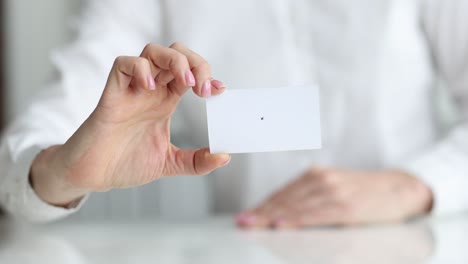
x=218, y=84
x=225, y=157
x=206, y=89
x=189, y=78
x=244, y=219
x=151, y=83
x=227, y=161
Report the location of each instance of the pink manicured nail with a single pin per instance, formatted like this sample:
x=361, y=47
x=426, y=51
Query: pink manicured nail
x=189, y=78
x=151, y=83
x=218, y=84
x=206, y=89
x=244, y=219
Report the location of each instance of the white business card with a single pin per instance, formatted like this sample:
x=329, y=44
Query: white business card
x=264, y=120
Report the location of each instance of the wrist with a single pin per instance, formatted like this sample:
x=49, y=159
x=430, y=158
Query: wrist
x=49, y=179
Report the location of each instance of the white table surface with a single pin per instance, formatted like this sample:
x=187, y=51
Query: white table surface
x=217, y=240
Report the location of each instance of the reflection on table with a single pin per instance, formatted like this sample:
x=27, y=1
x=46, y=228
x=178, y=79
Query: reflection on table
x=216, y=240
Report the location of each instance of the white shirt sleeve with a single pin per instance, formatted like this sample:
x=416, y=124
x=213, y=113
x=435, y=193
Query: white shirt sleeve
x=106, y=30
x=444, y=167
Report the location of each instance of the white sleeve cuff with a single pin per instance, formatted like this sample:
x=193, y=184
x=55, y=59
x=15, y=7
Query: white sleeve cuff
x=446, y=175
x=21, y=201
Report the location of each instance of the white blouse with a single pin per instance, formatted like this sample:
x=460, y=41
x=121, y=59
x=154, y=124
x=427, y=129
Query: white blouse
x=378, y=64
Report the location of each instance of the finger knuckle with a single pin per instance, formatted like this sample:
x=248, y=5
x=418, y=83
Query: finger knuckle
x=149, y=47
x=177, y=45
x=141, y=63
x=307, y=177
x=119, y=60
x=329, y=179
x=178, y=60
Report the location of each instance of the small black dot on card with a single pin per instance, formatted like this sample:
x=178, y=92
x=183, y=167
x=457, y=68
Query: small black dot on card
x=262, y=118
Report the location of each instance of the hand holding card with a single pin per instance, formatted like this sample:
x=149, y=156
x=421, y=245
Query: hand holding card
x=264, y=120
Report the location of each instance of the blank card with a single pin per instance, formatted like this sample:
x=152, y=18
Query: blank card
x=264, y=120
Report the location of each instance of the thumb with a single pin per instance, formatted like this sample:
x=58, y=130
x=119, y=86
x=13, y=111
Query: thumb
x=196, y=162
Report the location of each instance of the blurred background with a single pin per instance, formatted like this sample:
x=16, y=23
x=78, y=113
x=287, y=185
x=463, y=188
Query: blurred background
x=2, y=72
x=31, y=30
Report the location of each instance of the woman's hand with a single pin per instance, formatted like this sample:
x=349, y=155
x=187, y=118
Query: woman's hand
x=126, y=140
x=336, y=197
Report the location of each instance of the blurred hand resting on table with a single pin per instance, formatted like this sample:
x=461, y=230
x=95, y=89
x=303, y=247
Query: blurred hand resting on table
x=324, y=196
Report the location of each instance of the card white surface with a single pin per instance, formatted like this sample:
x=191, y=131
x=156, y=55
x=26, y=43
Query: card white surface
x=264, y=120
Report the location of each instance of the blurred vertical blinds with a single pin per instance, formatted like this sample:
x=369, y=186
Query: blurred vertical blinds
x=2, y=62
x=2, y=70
